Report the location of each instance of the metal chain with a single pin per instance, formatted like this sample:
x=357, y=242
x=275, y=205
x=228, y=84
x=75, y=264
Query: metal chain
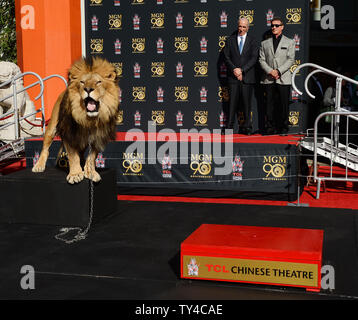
x=81, y=235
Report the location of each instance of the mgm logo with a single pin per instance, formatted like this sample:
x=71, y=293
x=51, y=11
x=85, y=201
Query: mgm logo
x=201, y=19
x=223, y=94
x=157, y=20
x=138, y=94
x=133, y=164
x=295, y=65
x=200, y=164
x=181, y=44
x=275, y=168
x=115, y=21
x=222, y=42
x=119, y=68
x=294, y=118
x=293, y=15
x=96, y=46
x=158, y=116
x=201, y=118
x=138, y=45
x=157, y=69
x=201, y=68
x=181, y=94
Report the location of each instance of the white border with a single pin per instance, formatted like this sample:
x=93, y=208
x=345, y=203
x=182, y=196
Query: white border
x=83, y=28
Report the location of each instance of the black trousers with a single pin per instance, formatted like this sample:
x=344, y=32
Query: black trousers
x=277, y=102
x=240, y=96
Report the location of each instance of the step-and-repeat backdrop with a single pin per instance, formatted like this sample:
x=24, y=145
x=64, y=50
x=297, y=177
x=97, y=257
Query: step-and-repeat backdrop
x=168, y=55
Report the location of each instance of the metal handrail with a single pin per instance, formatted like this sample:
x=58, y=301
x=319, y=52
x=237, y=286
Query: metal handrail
x=15, y=111
x=14, y=95
x=42, y=99
x=334, y=133
x=321, y=69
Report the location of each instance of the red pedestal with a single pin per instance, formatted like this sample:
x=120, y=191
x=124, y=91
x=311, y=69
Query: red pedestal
x=262, y=255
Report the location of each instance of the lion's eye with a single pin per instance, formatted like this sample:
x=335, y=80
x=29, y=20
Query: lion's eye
x=82, y=82
x=98, y=83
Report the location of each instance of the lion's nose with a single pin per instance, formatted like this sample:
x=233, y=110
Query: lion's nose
x=88, y=90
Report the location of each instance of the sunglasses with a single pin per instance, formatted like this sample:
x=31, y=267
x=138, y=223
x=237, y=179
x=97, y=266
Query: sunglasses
x=276, y=25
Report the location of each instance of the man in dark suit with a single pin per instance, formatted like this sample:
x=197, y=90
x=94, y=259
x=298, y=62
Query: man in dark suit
x=277, y=55
x=241, y=54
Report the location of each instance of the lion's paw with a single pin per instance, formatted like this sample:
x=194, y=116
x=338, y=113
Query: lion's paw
x=38, y=167
x=73, y=178
x=93, y=175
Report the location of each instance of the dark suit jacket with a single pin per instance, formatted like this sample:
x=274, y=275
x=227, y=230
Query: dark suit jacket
x=246, y=61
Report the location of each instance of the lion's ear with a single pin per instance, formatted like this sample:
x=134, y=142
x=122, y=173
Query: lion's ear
x=112, y=76
x=71, y=77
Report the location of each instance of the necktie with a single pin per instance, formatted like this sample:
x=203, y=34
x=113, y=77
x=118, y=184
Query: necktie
x=241, y=44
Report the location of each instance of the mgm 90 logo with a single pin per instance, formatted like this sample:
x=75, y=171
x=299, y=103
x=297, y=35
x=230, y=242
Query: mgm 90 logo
x=115, y=21
x=201, y=118
x=181, y=44
x=138, y=45
x=275, y=167
x=119, y=68
x=157, y=20
x=96, y=46
x=181, y=94
x=158, y=117
x=138, y=94
x=201, y=68
x=222, y=42
x=293, y=15
x=201, y=19
x=200, y=164
x=157, y=69
x=294, y=118
x=223, y=94
x=295, y=65
x=132, y=163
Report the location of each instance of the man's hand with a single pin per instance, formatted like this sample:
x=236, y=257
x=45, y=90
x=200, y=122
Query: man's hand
x=238, y=73
x=275, y=74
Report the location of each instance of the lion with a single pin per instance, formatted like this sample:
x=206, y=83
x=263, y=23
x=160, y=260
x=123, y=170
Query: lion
x=84, y=115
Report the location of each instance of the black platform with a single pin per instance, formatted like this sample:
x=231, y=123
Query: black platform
x=47, y=198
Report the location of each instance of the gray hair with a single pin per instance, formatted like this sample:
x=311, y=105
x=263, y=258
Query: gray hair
x=243, y=19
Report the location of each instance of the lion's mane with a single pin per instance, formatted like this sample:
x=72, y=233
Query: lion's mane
x=78, y=126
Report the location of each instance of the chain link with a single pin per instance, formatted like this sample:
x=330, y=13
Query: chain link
x=81, y=234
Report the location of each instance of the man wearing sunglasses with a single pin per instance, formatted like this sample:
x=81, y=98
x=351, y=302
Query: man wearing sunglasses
x=241, y=54
x=276, y=56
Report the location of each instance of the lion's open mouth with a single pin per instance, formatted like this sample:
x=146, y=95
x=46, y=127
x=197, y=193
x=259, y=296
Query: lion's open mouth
x=91, y=106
